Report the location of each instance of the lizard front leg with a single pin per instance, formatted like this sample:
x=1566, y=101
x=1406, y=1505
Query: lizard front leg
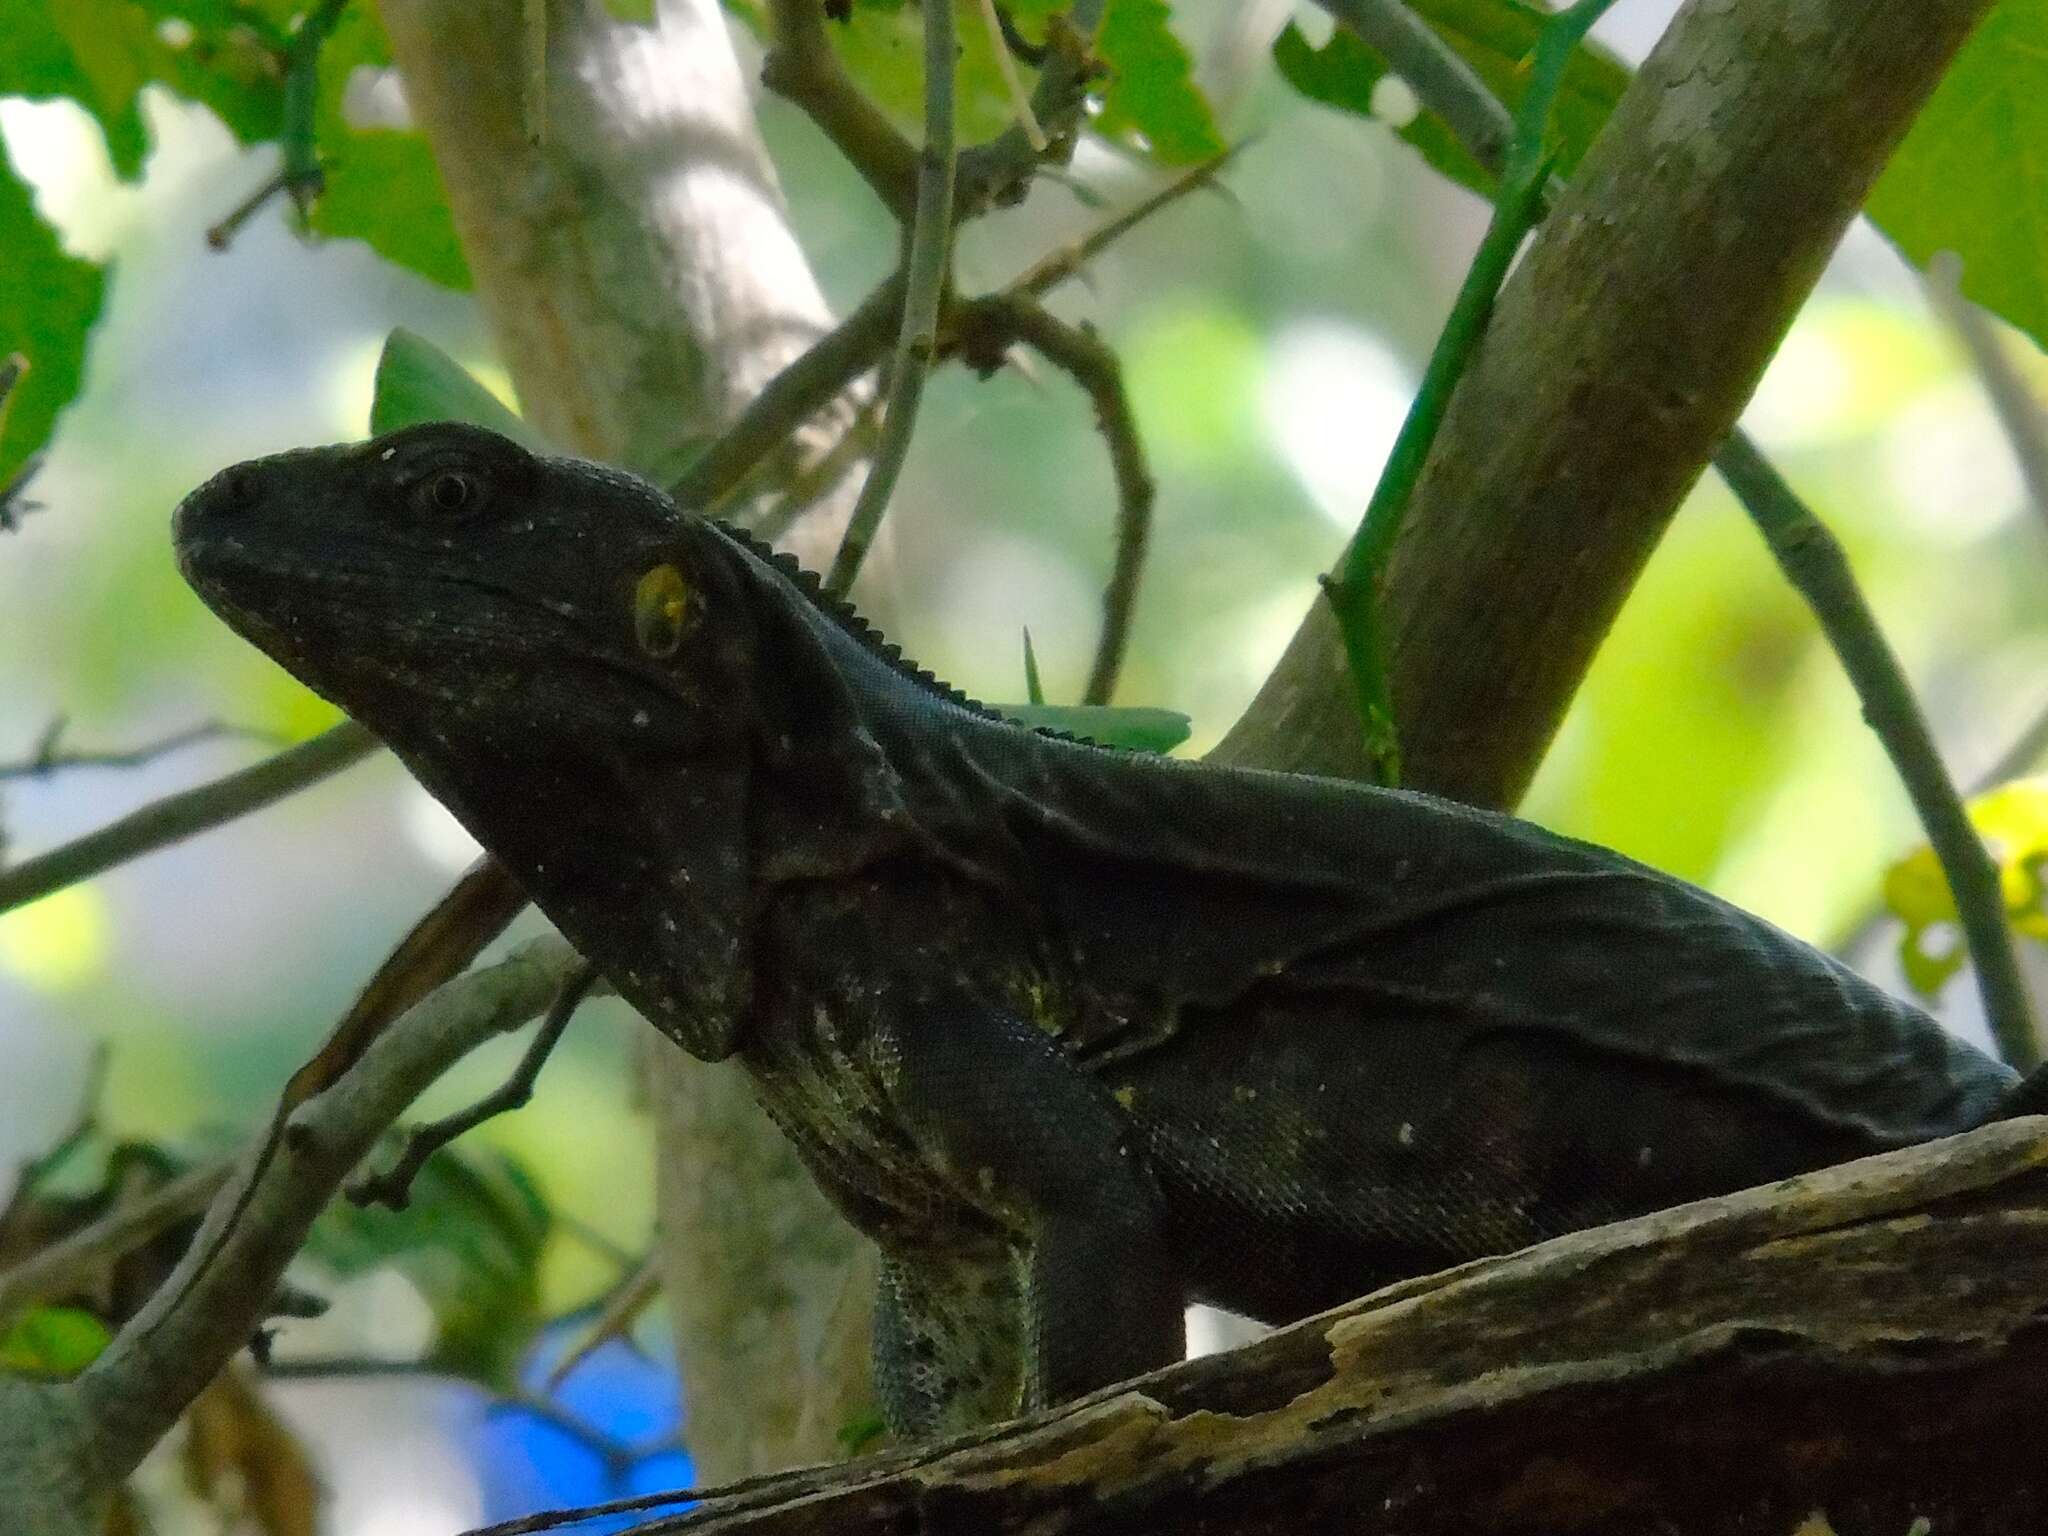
x=1002, y=1112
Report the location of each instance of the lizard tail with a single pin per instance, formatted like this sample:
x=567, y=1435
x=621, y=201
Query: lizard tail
x=2029, y=1096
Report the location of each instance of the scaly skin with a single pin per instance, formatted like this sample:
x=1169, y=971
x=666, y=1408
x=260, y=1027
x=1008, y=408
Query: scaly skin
x=1076, y=1036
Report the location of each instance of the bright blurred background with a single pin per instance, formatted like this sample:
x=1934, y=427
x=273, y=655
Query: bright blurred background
x=1271, y=338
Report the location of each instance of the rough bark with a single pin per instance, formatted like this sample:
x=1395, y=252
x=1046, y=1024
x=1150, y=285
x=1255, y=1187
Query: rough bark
x=642, y=283
x=1862, y=1345
x=1621, y=352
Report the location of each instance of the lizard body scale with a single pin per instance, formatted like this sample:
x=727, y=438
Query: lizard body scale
x=1075, y=1035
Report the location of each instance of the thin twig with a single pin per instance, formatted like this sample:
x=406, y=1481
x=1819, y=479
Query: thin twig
x=1441, y=79
x=809, y=384
x=85, y=1120
x=1006, y=66
x=190, y=1326
x=1000, y=170
x=67, y=1263
x=1054, y=268
x=924, y=277
x=621, y=1308
x=48, y=759
x=440, y=944
x=993, y=322
x=1475, y=116
x=393, y=1187
x=1353, y=592
x=179, y=816
x=2019, y=413
x=802, y=68
x=299, y=174
x=2023, y=752
x=1813, y=562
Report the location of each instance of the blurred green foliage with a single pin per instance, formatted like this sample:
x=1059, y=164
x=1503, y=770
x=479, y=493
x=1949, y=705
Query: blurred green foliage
x=1970, y=177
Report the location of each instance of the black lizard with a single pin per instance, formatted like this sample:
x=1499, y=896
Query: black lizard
x=1075, y=1035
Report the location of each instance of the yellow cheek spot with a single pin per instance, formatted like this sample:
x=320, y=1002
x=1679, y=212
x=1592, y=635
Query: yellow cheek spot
x=661, y=605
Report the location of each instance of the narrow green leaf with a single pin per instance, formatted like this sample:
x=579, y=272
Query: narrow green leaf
x=52, y=1342
x=48, y=302
x=416, y=381
x=1034, y=690
x=1112, y=725
x=1971, y=176
x=1495, y=37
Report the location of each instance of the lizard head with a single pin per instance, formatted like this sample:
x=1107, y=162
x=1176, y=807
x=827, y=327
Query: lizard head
x=558, y=653
x=443, y=573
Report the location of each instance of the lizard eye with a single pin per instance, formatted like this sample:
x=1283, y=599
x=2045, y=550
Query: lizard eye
x=448, y=492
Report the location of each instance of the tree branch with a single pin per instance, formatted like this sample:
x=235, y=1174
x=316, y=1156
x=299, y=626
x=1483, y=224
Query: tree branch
x=198, y=1318
x=179, y=816
x=52, y=1271
x=986, y=327
x=1441, y=79
x=1814, y=563
x=802, y=69
x=807, y=385
x=925, y=272
x=1675, y=260
x=1729, y=1366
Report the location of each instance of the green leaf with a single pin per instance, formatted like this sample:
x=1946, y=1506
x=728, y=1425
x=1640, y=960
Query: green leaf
x=98, y=53
x=54, y=1342
x=1496, y=38
x=639, y=11
x=416, y=381
x=48, y=302
x=2013, y=821
x=1152, y=90
x=224, y=55
x=470, y=1241
x=1971, y=176
x=1112, y=725
x=382, y=186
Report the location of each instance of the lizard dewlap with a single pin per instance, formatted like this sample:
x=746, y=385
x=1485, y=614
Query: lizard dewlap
x=1075, y=1035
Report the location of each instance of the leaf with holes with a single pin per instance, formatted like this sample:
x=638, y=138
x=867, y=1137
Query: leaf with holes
x=1496, y=37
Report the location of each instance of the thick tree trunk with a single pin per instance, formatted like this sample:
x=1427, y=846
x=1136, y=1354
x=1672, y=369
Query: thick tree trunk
x=642, y=282
x=1621, y=352
x=1858, y=1351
